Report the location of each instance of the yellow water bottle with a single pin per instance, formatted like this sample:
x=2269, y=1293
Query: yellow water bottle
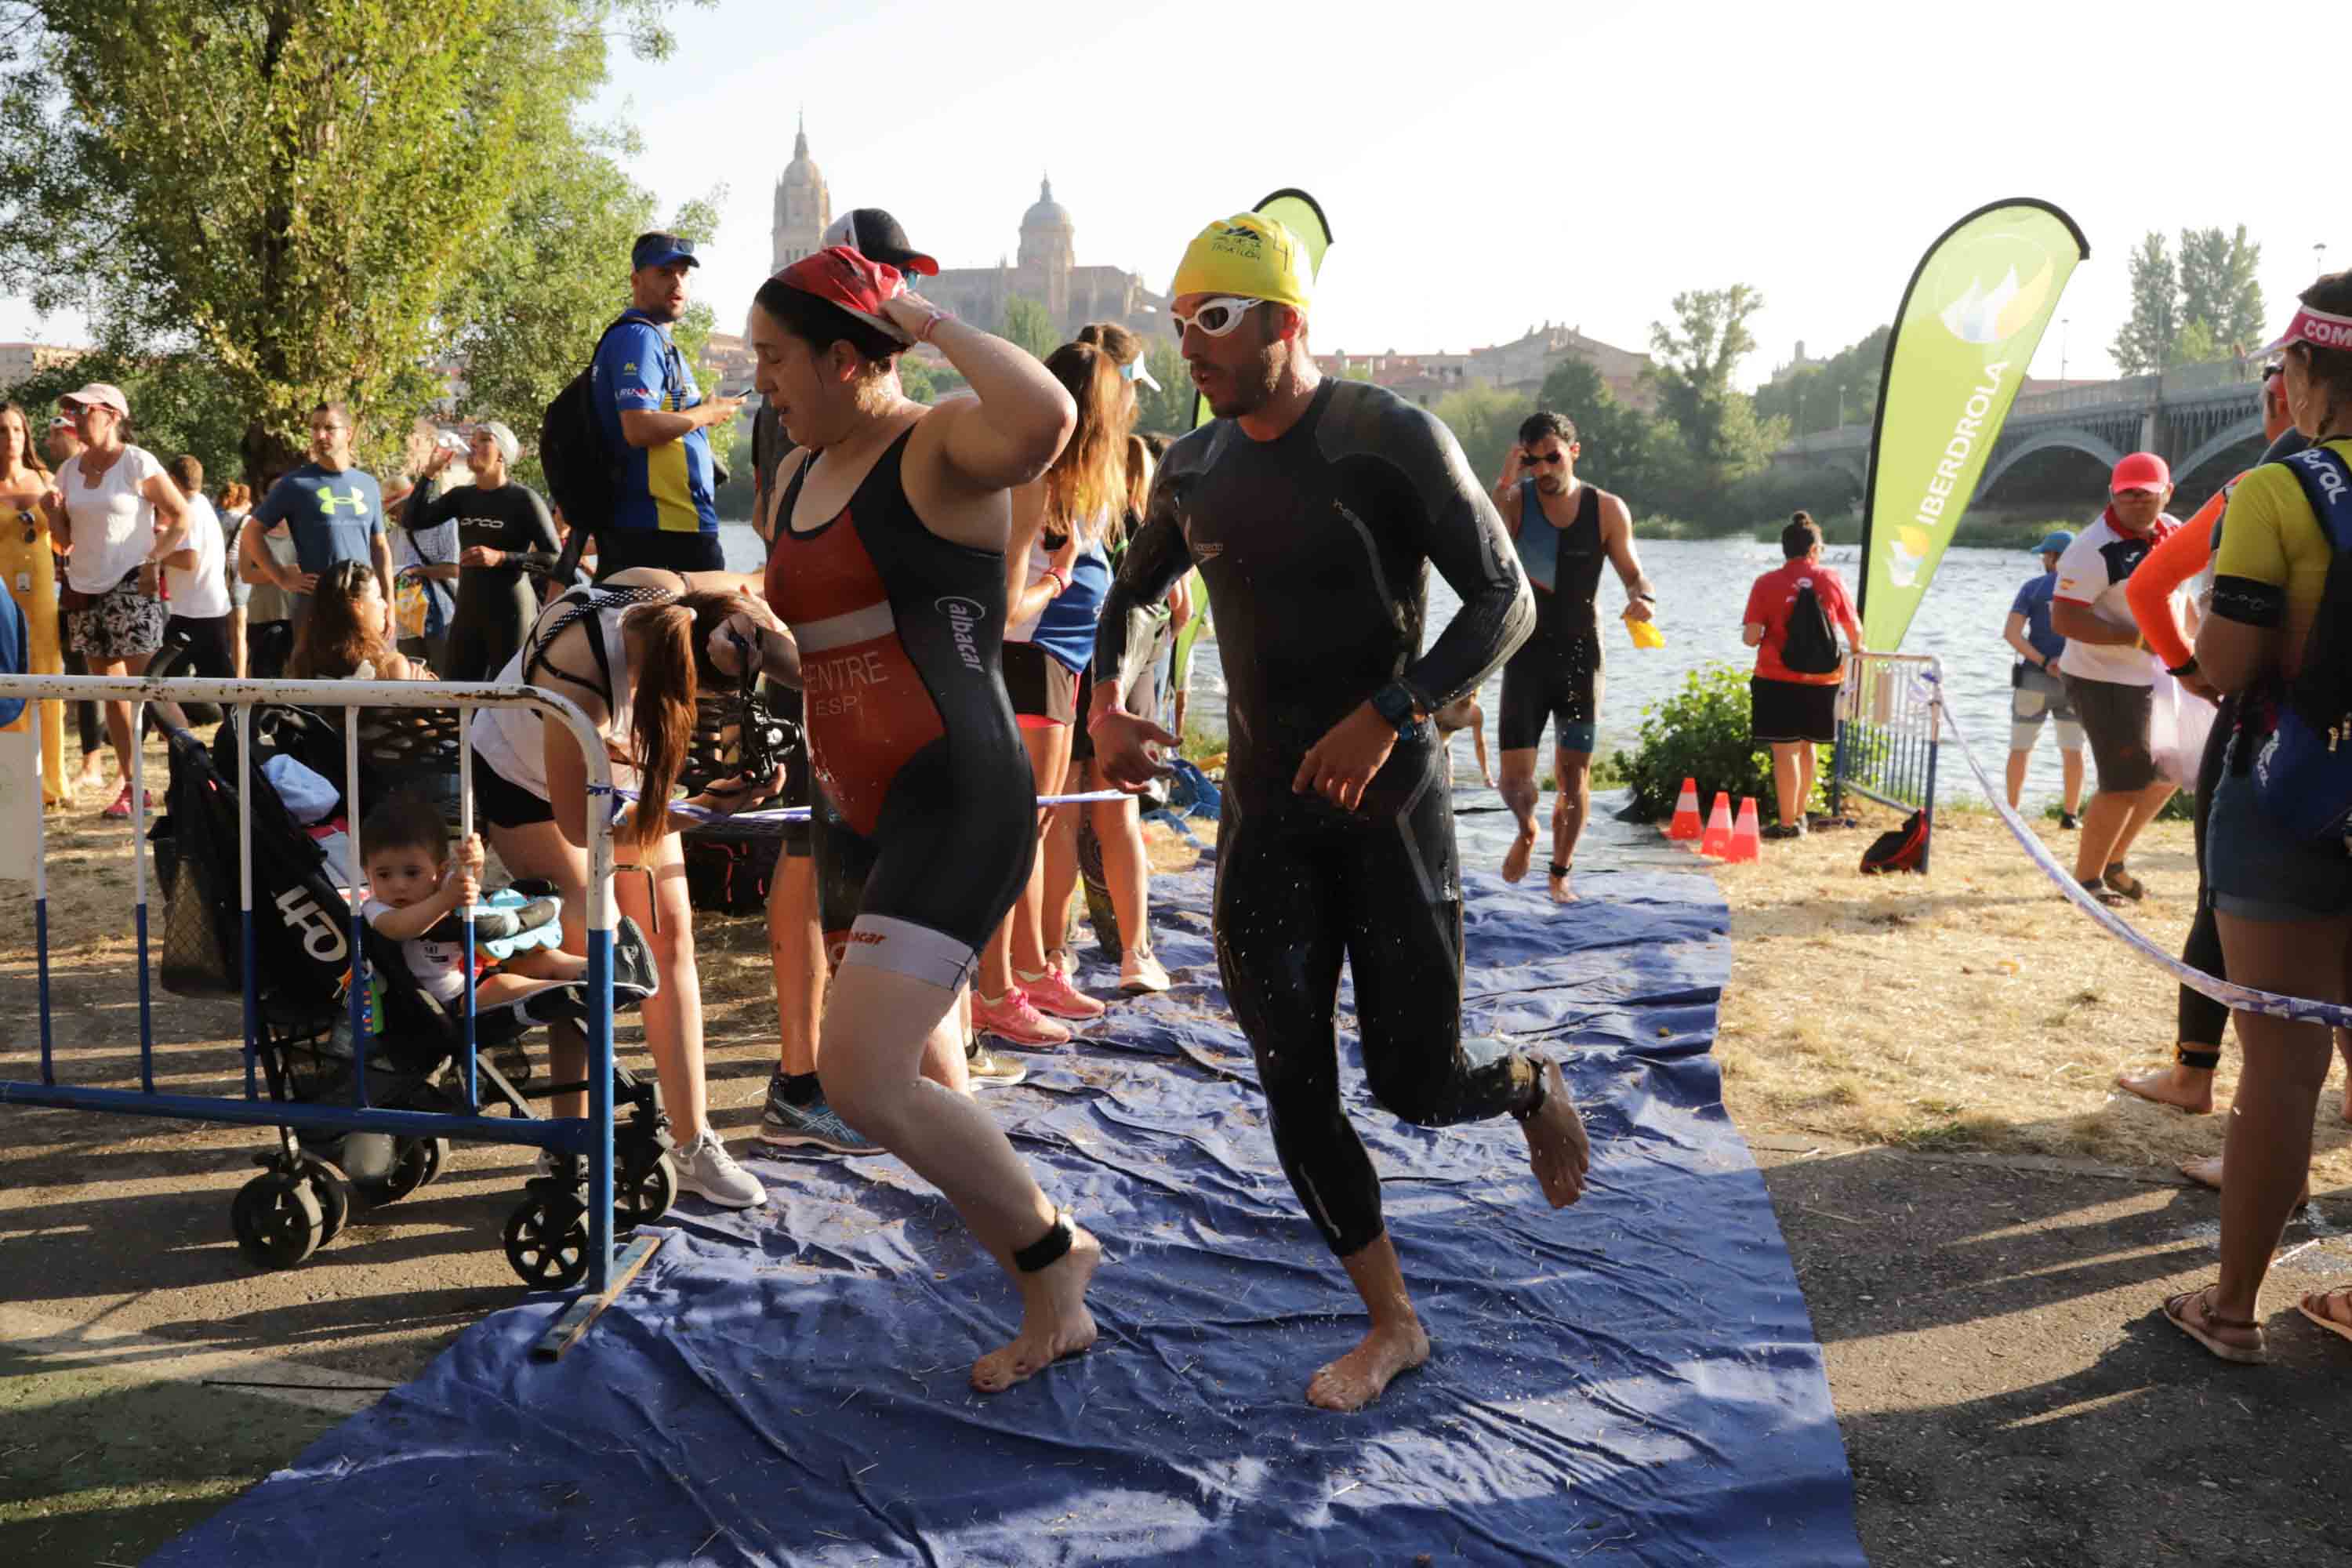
x=1645, y=634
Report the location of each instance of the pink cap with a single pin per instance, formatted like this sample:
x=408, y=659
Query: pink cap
x=2141, y=472
x=100, y=393
x=852, y=282
x=2318, y=328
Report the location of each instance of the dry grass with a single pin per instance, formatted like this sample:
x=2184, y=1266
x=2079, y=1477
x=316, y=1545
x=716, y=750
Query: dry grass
x=1973, y=1008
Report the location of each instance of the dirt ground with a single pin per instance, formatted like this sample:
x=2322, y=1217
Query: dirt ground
x=1982, y=1230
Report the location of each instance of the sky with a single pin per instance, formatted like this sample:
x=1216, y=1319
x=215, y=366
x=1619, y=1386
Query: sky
x=1486, y=167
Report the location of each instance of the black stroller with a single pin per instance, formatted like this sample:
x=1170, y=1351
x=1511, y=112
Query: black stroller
x=301, y=1019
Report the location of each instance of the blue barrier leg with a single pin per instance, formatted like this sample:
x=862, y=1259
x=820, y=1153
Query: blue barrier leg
x=41, y=946
x=600, y=1111
x=251, y=978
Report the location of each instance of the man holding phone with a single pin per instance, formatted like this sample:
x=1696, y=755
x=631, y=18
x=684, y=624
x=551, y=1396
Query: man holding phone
x=1564, y=529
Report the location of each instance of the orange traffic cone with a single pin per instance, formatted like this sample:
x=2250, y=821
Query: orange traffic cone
x=1686, y=824
x=1747, y=841
x=1718, y=841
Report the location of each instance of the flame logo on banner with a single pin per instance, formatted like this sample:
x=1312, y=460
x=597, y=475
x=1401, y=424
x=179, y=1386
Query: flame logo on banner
x=1998, y=314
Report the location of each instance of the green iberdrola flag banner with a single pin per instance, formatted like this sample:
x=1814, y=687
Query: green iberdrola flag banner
x=1970, y=320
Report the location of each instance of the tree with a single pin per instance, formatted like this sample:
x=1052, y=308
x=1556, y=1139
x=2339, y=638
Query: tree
x=2220, y=288
x=1617, y=445
x=1028, y=324
x=2148, y=341
x=1485, y=420
x=1841, y=389
x=1720, y=439
x=301, y=195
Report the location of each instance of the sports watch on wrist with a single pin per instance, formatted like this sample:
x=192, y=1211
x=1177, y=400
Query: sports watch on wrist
x=1396, y=703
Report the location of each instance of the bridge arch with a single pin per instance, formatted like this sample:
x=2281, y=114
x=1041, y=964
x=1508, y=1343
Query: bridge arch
x=2066, y=437
x=2219, y=442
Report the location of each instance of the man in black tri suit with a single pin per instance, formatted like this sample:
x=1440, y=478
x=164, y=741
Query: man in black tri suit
x=1564, y=528
x=1314, y=509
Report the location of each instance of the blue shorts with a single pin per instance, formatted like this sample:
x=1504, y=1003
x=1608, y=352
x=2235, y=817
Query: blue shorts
x=2256, y=870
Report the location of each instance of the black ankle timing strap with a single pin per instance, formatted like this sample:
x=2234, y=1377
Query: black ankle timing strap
x=2204, y=1061
x=1049, y=1248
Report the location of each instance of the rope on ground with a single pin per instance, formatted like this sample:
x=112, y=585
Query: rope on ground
x=777, y=819
x=2241, y=998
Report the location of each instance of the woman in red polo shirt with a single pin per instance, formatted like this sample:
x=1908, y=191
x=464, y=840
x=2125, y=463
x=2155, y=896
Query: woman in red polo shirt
x=1789, y=710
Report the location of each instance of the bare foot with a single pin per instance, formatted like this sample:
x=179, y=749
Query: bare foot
x=2182, y=1088
x=1054, y=1321
x=92, y=775
x=1356, y=1379
x=2207, y=1172
x=1522, y=851
x=1557, y=1147
x=1563, y=890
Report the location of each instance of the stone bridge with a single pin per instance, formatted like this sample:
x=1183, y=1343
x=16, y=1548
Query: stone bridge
x=2190, y=416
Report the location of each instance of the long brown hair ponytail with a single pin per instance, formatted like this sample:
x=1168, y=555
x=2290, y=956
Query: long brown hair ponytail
x=673, y=662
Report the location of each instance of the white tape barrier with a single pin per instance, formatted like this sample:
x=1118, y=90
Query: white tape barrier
x=2241, y=998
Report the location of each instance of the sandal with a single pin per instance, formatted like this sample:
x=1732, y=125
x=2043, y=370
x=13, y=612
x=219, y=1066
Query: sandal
x=2176, y=1313
x=2335, y=1325
x=2123, y=882
x=2099, y=892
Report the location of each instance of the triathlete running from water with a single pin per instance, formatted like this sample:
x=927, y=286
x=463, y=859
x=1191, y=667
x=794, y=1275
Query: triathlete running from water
x=1564, y=529
x=888, y=566
x=1314, y=509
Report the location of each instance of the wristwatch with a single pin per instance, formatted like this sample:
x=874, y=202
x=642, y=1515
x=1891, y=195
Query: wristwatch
x=1396, y=703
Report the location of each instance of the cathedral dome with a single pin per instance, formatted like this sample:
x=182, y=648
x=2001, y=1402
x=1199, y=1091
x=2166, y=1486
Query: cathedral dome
x=802, y=171
x=1048, y=212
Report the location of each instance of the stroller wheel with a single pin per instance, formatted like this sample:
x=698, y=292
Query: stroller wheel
x=547, y=1242
x=415, y=1164
x=333, y=1191
x=278, y=1219
x=641, y=1197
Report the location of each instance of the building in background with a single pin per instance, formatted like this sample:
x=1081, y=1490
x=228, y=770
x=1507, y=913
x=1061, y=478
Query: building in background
x=804, y=207
x=20, y=362
x=1520, y=367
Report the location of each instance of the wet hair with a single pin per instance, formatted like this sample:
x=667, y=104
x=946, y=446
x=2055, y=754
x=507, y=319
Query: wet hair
x=670, y=673
x=1543, y=422
x=335, y=638
x=187, y=472
x=1801, y=537
x=32, y=441
x=821, y=323
x=1123, y=346
x=2330, y=369
x=402, y=821
x=1088, y=479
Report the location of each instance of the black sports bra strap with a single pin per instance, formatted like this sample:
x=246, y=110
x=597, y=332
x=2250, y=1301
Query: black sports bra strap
x=589, y=604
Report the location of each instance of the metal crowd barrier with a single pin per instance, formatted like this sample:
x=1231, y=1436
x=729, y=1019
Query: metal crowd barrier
x=1889, y=730
x=591, y=1137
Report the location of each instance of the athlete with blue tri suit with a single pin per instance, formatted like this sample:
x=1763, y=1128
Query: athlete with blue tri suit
x=1315, y=508
x=654, y=419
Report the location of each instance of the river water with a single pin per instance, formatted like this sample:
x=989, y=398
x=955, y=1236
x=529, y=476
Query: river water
x=1702, y=591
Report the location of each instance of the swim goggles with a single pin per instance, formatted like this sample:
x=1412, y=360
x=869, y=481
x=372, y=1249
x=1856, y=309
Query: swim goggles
x=1217, y=317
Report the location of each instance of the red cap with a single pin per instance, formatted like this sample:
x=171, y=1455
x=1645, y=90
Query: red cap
x=2140, y=471
x=856, y=283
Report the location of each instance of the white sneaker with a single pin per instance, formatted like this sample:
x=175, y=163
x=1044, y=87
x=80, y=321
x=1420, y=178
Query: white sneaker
x=705, y=1167
x=1141, y=974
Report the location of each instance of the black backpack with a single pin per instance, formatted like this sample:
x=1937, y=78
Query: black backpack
x=1810, y=647
x=1902, y=850
x=574, y=456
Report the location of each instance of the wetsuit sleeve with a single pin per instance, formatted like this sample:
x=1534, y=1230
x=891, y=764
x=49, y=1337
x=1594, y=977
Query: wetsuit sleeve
x=535, y=548
x=1156, y=558
x=417, y=514
x=1463, y=537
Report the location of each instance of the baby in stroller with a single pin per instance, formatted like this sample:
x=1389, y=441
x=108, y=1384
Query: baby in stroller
x=417, y=891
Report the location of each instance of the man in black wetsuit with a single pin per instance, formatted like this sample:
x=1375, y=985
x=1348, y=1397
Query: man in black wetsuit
x=504, y=532
x=1564, y=528
x=1314, y=510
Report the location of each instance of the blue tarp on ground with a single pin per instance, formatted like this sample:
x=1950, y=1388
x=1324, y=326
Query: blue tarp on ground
x=1633, y=1380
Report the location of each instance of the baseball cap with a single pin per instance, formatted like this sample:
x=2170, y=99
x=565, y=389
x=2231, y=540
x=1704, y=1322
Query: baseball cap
x=2320, y=329
x=1249, y=254
x=870, y=231
x=100, y=393
x=2140, y=471
x=60, y=422
x=856, y=283
x=2055, y=544
x=660, y=248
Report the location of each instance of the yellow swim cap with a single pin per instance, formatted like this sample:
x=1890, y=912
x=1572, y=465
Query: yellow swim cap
x=1247, y=254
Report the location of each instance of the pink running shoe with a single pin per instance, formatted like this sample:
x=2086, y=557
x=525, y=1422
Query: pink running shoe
x=1011, y=1018
x=121, y=807
x=1052, y=994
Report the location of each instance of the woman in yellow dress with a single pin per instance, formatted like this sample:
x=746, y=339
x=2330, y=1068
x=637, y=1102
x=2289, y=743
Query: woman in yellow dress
x=31, y=572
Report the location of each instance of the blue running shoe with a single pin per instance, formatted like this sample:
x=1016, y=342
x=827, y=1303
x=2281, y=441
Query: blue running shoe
x=814, y=1127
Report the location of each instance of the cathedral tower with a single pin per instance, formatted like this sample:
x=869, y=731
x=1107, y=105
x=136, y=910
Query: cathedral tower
x=804, y=207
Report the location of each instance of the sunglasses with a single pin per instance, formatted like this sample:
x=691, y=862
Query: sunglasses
x=1216, y=318
x=1546, y=460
